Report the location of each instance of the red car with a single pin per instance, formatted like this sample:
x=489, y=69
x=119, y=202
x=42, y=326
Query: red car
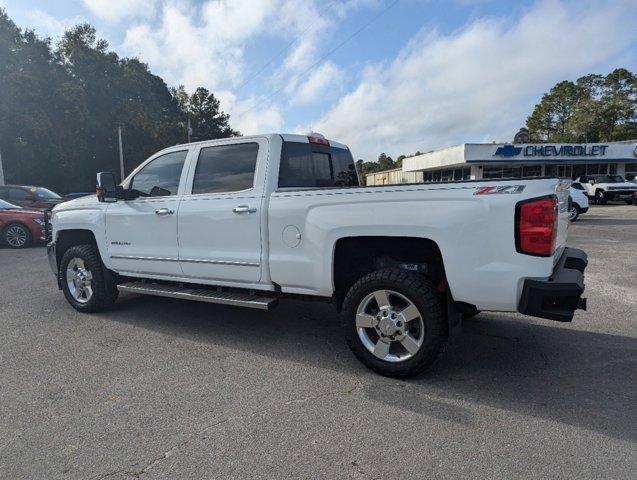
x=30, y=196
x=20, y=227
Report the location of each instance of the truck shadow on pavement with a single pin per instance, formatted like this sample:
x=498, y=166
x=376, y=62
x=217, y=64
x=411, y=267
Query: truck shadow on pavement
x=532, y=368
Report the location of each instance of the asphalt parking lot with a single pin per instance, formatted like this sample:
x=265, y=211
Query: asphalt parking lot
x=165, y=389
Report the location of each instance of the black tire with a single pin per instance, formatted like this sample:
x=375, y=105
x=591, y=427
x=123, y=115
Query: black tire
x=599, y=198
x=429, y=302
x=10, y=240
x=574, y=213
x=103, y=281
x=629, y=202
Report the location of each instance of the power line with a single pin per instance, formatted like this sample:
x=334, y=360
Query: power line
x=327, y=54
x=281, y=52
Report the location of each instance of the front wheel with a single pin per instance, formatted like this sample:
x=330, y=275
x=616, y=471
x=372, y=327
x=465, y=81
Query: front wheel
x=394, y=322
x=600, y=199
x=573, y=213
x=87, y=285
x=17, y=235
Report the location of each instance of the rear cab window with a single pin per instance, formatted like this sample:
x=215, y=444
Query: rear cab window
x=308, y=165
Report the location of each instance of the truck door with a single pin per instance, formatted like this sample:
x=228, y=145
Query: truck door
x=220, y=216
x=142, y=233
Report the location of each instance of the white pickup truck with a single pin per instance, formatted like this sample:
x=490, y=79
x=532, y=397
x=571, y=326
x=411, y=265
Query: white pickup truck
x=602, y=188
x=247, y=220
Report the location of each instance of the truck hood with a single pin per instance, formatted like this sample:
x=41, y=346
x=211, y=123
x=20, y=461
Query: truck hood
x=77, y=204
x=23, y=211
x=616, y=185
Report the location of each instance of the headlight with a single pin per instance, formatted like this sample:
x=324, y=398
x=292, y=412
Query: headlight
x=39, y=221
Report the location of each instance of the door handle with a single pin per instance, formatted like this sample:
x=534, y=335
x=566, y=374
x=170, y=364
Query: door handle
x=243, y=209
x=164, y=211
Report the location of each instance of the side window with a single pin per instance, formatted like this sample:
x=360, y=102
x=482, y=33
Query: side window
x=18, y=194
x=225, y=168
x=577, y=186
x=303, y=167
x=160, y=178
x=4, y=193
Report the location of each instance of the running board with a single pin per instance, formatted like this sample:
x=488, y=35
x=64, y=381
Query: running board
x=200, y=295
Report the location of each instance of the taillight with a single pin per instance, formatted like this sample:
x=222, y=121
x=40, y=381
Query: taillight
x=536, y=226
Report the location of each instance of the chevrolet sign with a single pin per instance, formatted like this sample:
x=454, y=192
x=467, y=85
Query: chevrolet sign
x=551, y=150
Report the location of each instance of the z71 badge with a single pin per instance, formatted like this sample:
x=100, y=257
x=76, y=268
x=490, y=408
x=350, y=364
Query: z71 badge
x=499, y=189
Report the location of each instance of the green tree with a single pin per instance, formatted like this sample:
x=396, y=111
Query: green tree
x=202, y=109
x=594, y=108
x=385, y=162
x=60, y=108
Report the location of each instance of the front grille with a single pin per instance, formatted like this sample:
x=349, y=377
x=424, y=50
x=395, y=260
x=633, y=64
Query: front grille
x=47, y=226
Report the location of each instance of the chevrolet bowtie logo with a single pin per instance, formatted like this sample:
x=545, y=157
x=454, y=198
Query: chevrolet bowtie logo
x=508, y=151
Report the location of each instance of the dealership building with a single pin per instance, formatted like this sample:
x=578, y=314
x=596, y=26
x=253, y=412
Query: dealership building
x=476, y=161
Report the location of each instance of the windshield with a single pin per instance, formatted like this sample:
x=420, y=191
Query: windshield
x=6, y=205
x=610, y=179
x=45, y=194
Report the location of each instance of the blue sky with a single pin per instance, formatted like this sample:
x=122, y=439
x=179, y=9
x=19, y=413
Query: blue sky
x=381, y=75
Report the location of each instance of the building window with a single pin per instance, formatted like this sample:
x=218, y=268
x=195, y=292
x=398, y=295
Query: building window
x=501, y=172
x=532, y=171
x=559, y=171
x=462, y=173
x=631, y=171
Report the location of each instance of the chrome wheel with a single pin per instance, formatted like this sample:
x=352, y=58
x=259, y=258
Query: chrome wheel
x=390, y=326
x=79, y=279
x=16, y=236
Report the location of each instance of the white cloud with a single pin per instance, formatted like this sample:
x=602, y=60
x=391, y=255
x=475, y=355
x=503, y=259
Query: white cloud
x=47, y=25
x=113, y=10
x=203, y=45
x=324, y=82
x=479, y=82
x=251, y=115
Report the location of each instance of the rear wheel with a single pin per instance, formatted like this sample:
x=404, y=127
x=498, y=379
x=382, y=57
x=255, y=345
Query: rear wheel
x=394, y=322
x=87, y=285
x=573, y=213
x=17, y=235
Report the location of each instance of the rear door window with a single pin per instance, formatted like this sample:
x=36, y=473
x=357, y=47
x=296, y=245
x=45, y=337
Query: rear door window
x=304, y=165
x=226, y=168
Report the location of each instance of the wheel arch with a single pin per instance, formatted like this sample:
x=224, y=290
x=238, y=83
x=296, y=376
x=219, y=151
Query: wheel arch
x=66, y=239
x=355, y=256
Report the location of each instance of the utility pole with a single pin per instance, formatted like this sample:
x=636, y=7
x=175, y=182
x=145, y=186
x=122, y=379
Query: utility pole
x=121, y=153
x=189, y=130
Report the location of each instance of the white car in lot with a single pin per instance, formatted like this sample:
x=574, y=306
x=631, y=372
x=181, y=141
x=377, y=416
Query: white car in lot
x=246, y=221
x=579, y=201
x=608, y=187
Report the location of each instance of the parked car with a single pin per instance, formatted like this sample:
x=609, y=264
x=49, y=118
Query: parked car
x=30, y=196
x=20, y=227
x=579, y=202
x=256, y=218
x=608, y=187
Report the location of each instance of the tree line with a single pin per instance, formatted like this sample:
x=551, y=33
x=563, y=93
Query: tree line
x=61, y=106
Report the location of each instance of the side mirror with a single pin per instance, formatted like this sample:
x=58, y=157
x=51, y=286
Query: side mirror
x=591, y=182
x=107, y=190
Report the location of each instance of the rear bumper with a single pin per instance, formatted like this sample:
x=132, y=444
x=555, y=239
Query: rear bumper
x=560, y=295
